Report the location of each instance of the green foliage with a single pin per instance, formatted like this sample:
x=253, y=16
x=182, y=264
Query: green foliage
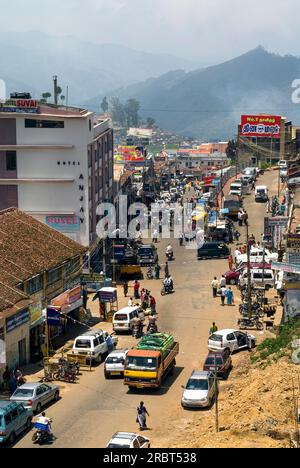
x=273, y=349
x=265, y=166
x=104, y=105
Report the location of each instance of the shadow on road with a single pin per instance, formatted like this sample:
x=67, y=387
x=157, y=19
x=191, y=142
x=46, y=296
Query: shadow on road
x=167, y=384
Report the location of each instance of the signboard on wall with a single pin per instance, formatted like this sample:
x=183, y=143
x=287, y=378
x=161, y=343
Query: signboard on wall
x=28, y=106
x=64, y=223
x=2, y=349
x=17, y=320
x=35, y=311
x=53, y=317
x=261, y=126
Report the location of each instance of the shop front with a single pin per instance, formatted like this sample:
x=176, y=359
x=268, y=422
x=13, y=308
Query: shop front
x=37, y=327
x=69, y=304
x=17, y=338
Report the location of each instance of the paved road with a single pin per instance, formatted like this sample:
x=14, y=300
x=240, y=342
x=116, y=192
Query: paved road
x=94, y=409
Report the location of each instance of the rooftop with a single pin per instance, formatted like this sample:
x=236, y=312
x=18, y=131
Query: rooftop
x=28, y=248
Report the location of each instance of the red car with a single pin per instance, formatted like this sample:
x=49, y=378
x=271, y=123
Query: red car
x=232, y=277
x=220, y=362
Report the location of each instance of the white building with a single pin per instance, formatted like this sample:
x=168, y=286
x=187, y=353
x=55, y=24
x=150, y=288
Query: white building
x=56, y=164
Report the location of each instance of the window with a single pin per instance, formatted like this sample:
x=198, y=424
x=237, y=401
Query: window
x=53, y=276
x=11, y=160
x=96, y=342
x=34, y=123
x=136, y=445
x=90, y=125
x=230, y=337
x=90, y=157
x=34, y=285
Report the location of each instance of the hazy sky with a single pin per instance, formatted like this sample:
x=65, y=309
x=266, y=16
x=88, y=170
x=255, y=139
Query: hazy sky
x=206, y=30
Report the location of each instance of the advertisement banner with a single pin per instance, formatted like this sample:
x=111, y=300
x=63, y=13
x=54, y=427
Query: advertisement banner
x=106, y=295
x=29, y=106
x=130, y=154
x=35, y=311
x=53, y=317
x=75, y=295
x=64, y=223
x=17, y=320
x=61, y=301
x=261, y=126
x=286, y=267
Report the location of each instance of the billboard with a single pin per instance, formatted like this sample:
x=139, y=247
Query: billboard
x=67, y=223
x=29, y=106
x=261, y=126
x=130, y=154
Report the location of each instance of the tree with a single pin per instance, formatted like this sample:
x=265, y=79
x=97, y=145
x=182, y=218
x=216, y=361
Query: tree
x=231, y=150
x=132, y=108
x=58, y=90
x=118, y=111
x=104, y=105
x=46, y=96
x=63, y=98
x=150, y=122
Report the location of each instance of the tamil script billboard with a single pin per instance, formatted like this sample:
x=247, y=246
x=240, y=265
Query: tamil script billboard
x=261, y=126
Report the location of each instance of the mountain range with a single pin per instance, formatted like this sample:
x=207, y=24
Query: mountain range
x=29, y=60
x=207, y=103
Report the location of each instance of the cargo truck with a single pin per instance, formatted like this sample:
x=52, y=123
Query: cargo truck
x=147, y=368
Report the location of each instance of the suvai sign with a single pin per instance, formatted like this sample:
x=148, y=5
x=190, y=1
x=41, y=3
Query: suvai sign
x=19, y=105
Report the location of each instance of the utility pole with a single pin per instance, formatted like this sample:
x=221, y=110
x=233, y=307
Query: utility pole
x=55, y=90
x=249, y=271
x=217, y=396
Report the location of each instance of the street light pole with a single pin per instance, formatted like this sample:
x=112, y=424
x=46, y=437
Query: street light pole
x=216, y=396
x=249, y=271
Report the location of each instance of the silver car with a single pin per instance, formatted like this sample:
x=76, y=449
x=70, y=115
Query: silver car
x=199, y=391
x=35, y=395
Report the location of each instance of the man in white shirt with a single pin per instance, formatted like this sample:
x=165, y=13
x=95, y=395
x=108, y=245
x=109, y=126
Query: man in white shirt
x=223, y=282
x=130, y=302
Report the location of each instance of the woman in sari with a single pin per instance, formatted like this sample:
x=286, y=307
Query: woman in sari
x=229, y=296
x=142, y=414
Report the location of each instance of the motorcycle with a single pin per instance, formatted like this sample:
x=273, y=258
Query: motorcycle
x=138, y=331
x=250, y=322
x=152, y=329
x=42, y=434
x=255, y=309
x=167, y=290
x=65, y=374
x=170, y=256
x=71, y=366
x=150, y=274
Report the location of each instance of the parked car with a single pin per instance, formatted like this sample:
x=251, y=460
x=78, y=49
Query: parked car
x=147, y=255
x=236, y=189
x=35, y=395
x=14, y=419
x=114, y=364
x=126, y=440
x=93, y=344
x=200, y=390
x=233, y=340
x=283, y=164
x=213, y=250
x=261, y=194
x=257, y=256
x=123, y=320
x=258, y=278
x=220, y=361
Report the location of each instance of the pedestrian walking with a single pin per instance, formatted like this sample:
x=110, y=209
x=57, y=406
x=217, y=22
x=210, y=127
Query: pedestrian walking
x=223, y=295
x=125, y=288
x=181, y=237
x=229, y=297
x=245, y=218
x=153, y=305
x=167, y=272
x=85, y=297
x=253, y=185
x=110, y=343
x=214, y=285
x=130, y=302
x=213, y=329
x=6, y=378
x=136, y=288
x=157, y=271
x=240, y=218
x=223, y=282
x=142, y=414
x=237, y=235
x=230, y=262
x=155, y=236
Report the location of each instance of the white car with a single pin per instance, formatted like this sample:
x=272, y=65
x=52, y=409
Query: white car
x=256, y=256
x=114, y=364
x=234, y=340
x=259, y=277
x=283, y=164
x=93, y=345
x=199, y=391
x=128, y=440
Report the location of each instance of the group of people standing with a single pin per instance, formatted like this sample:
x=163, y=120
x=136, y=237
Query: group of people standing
x=243, y=217
x=220, y=288
x=145, y=297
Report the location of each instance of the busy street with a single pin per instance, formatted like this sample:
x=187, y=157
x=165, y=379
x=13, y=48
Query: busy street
x=92, y=410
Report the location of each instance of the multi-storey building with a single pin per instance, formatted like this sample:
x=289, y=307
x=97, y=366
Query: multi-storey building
x=56, y=164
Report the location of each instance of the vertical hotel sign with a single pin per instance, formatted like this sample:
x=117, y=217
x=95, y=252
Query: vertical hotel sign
x=261, y=126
